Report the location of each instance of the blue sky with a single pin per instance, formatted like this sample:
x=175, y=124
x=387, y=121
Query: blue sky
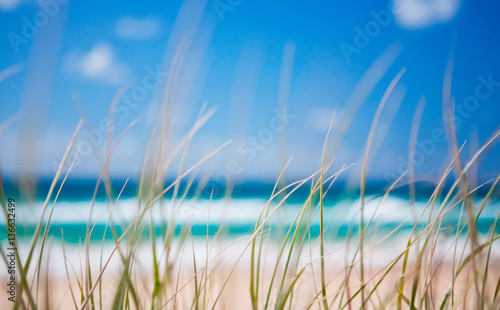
x=85, y=51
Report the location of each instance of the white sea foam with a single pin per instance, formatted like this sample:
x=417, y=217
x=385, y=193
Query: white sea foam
x=235, y=211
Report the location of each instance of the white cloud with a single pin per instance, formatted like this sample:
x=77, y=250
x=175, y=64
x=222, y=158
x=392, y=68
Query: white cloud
x=98, y=64
x=9, y=5
x=418, y=14
x=133, y=28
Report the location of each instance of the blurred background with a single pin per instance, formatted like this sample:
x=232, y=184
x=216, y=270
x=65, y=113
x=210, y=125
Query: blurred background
x=274, y=71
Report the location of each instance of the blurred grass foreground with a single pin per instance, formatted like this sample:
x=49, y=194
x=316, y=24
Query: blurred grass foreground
x=323, y=241
x=171, y=243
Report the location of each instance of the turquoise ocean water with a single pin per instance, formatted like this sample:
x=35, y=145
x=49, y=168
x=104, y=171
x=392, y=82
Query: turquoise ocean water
x=235, y=215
